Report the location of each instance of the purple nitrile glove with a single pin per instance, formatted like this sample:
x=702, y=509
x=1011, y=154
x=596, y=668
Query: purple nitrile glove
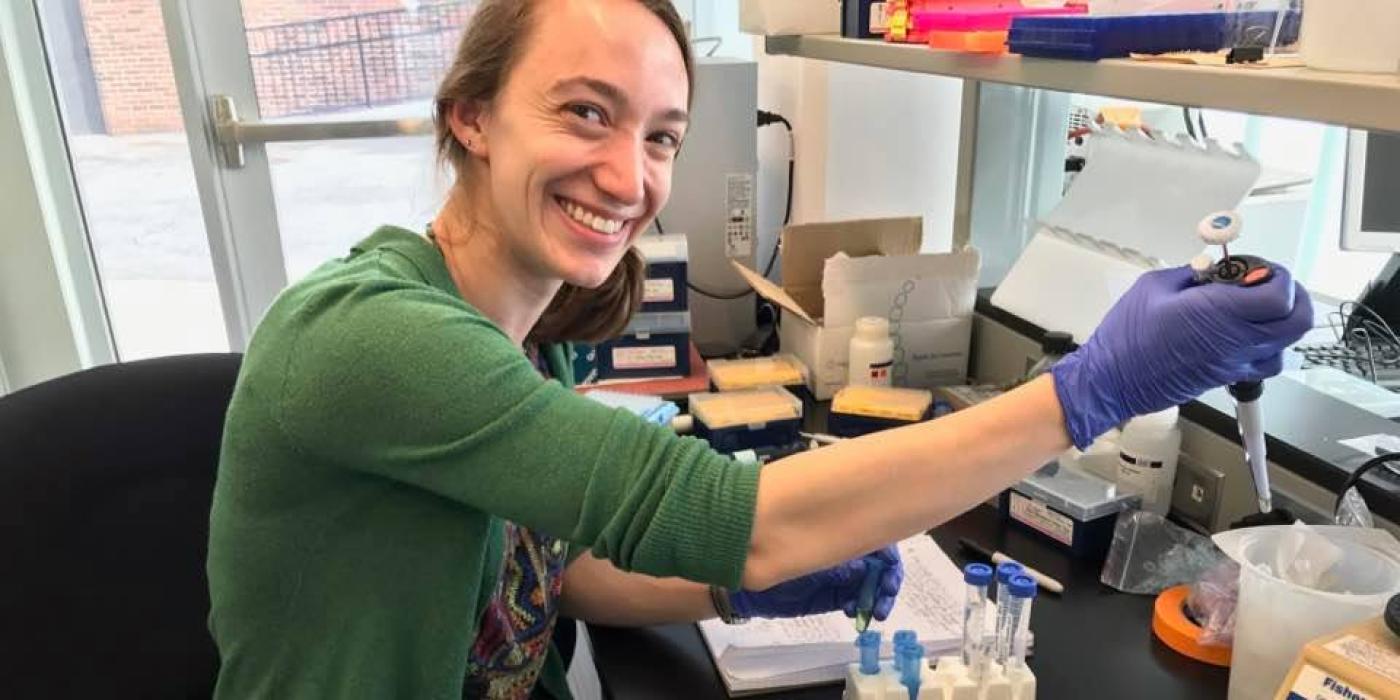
x=1171, y=339
x=837, y=588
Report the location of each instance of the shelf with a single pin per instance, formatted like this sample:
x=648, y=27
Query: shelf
x=1363, y=101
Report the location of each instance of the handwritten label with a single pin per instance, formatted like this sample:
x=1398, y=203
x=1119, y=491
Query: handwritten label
x=661, y=357
x=1039, y=516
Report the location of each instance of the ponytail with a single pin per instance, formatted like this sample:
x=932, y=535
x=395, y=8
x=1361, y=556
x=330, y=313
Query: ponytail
x=577, y=314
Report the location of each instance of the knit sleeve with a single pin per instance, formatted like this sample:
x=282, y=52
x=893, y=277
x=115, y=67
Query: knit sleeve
x=406, y=383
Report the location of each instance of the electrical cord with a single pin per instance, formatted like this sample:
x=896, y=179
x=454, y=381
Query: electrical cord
x=1359, y=472
x=661, y=230
x=766, y=118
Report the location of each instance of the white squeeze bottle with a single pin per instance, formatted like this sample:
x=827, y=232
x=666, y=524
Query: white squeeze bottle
x=872, y=352
x=1148, y=451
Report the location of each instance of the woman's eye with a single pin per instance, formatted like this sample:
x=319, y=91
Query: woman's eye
x=666, y=139
x=586, y=112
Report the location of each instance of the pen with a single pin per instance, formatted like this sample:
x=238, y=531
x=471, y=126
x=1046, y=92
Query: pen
x=1044, y=581
x=865, y=604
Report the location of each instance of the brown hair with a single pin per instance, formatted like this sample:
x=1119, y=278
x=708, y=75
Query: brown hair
x=488, y=51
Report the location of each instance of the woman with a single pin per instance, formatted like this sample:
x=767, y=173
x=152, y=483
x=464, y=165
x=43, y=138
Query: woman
x=404, y=503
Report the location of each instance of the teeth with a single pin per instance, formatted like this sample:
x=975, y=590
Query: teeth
x=597, y=223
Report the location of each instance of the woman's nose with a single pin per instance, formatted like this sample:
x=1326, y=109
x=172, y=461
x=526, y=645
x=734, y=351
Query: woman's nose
x=621, y=174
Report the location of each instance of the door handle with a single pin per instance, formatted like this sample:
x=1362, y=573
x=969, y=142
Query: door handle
x=232, y=133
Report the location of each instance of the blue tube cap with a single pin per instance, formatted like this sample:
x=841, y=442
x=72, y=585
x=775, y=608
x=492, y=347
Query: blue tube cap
x=977, y=574
x=1007, y=570
x=1022, y=586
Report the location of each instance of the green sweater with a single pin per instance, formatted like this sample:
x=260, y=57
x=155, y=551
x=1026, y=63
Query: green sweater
x=381, y=432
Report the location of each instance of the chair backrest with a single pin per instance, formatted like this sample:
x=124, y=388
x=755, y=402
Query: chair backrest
x=106, y=477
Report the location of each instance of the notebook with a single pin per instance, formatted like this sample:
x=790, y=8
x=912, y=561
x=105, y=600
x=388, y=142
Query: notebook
x=767, y=655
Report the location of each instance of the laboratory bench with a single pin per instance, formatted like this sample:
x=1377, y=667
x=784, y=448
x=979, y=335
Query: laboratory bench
x=1091, y=642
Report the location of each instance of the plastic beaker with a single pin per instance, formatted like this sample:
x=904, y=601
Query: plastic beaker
x=1275, y=617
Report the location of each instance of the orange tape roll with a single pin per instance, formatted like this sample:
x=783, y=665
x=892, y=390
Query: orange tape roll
x=1170, y=624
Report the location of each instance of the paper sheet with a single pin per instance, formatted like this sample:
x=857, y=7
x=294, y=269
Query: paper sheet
x=930, y=603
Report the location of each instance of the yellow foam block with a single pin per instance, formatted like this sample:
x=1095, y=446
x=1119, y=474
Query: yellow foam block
x=753, y=407
x=757, y=372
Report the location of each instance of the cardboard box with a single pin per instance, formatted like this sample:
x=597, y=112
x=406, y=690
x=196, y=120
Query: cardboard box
x=834, y=273
x=1362, y=661
x=780, y=17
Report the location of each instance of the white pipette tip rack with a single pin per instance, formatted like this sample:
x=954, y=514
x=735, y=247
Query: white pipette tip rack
x=950, y=680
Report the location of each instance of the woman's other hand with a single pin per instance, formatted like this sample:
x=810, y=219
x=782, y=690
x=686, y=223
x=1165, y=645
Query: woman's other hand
x=837, y=588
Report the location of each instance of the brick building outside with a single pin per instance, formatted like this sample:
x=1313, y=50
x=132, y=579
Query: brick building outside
x=307, y=56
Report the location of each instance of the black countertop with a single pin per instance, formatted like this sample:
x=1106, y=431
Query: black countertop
x=1092, y=642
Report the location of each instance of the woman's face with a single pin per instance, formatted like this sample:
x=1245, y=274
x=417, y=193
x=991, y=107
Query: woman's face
x=581, y=139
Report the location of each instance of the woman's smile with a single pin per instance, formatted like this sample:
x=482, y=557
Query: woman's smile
x=602, y=232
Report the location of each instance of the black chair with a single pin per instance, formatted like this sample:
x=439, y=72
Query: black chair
x=106, y=477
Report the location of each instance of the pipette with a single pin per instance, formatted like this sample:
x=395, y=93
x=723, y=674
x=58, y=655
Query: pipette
x=1221, y=229
x=1005, y=572
x=1023, y=590
x=978, y=578
x=865, y=604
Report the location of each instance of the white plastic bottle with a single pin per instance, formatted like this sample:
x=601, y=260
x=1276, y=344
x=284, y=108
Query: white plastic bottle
x=872, y=352
x=1148, y=451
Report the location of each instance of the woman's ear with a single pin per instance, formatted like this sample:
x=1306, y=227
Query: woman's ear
x=468, y=121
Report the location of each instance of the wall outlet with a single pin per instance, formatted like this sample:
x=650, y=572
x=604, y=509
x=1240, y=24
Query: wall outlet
x=1196, y=494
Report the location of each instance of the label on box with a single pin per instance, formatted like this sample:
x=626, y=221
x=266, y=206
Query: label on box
x=1039, y=516
x=659, y=290
x=660, y=357
x=1367, y=655
x=1315, y=684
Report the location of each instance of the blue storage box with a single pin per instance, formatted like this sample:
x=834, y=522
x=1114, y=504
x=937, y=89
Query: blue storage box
x=1090, y=38
x=747, y=420
x=667, y=273
x=1073, y=510
x=655, y=345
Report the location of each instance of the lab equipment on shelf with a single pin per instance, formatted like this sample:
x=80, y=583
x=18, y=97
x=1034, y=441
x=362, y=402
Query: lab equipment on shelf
x=1091, y=38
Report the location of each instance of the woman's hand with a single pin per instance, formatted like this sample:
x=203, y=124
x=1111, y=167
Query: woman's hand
x=1170, y=339
x=837, y=588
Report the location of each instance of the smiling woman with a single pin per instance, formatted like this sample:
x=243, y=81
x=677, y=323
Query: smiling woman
x=409, y=491
x=587, y=153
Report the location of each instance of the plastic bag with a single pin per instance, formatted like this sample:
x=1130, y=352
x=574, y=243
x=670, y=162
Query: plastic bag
x=1353, y=511
x=1211, y=604
x=1150, y=555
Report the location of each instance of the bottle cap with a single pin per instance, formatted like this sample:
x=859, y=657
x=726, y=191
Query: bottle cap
x=977, y=574
x=1007, y=570
x=873, y=327
x=1022, y=586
